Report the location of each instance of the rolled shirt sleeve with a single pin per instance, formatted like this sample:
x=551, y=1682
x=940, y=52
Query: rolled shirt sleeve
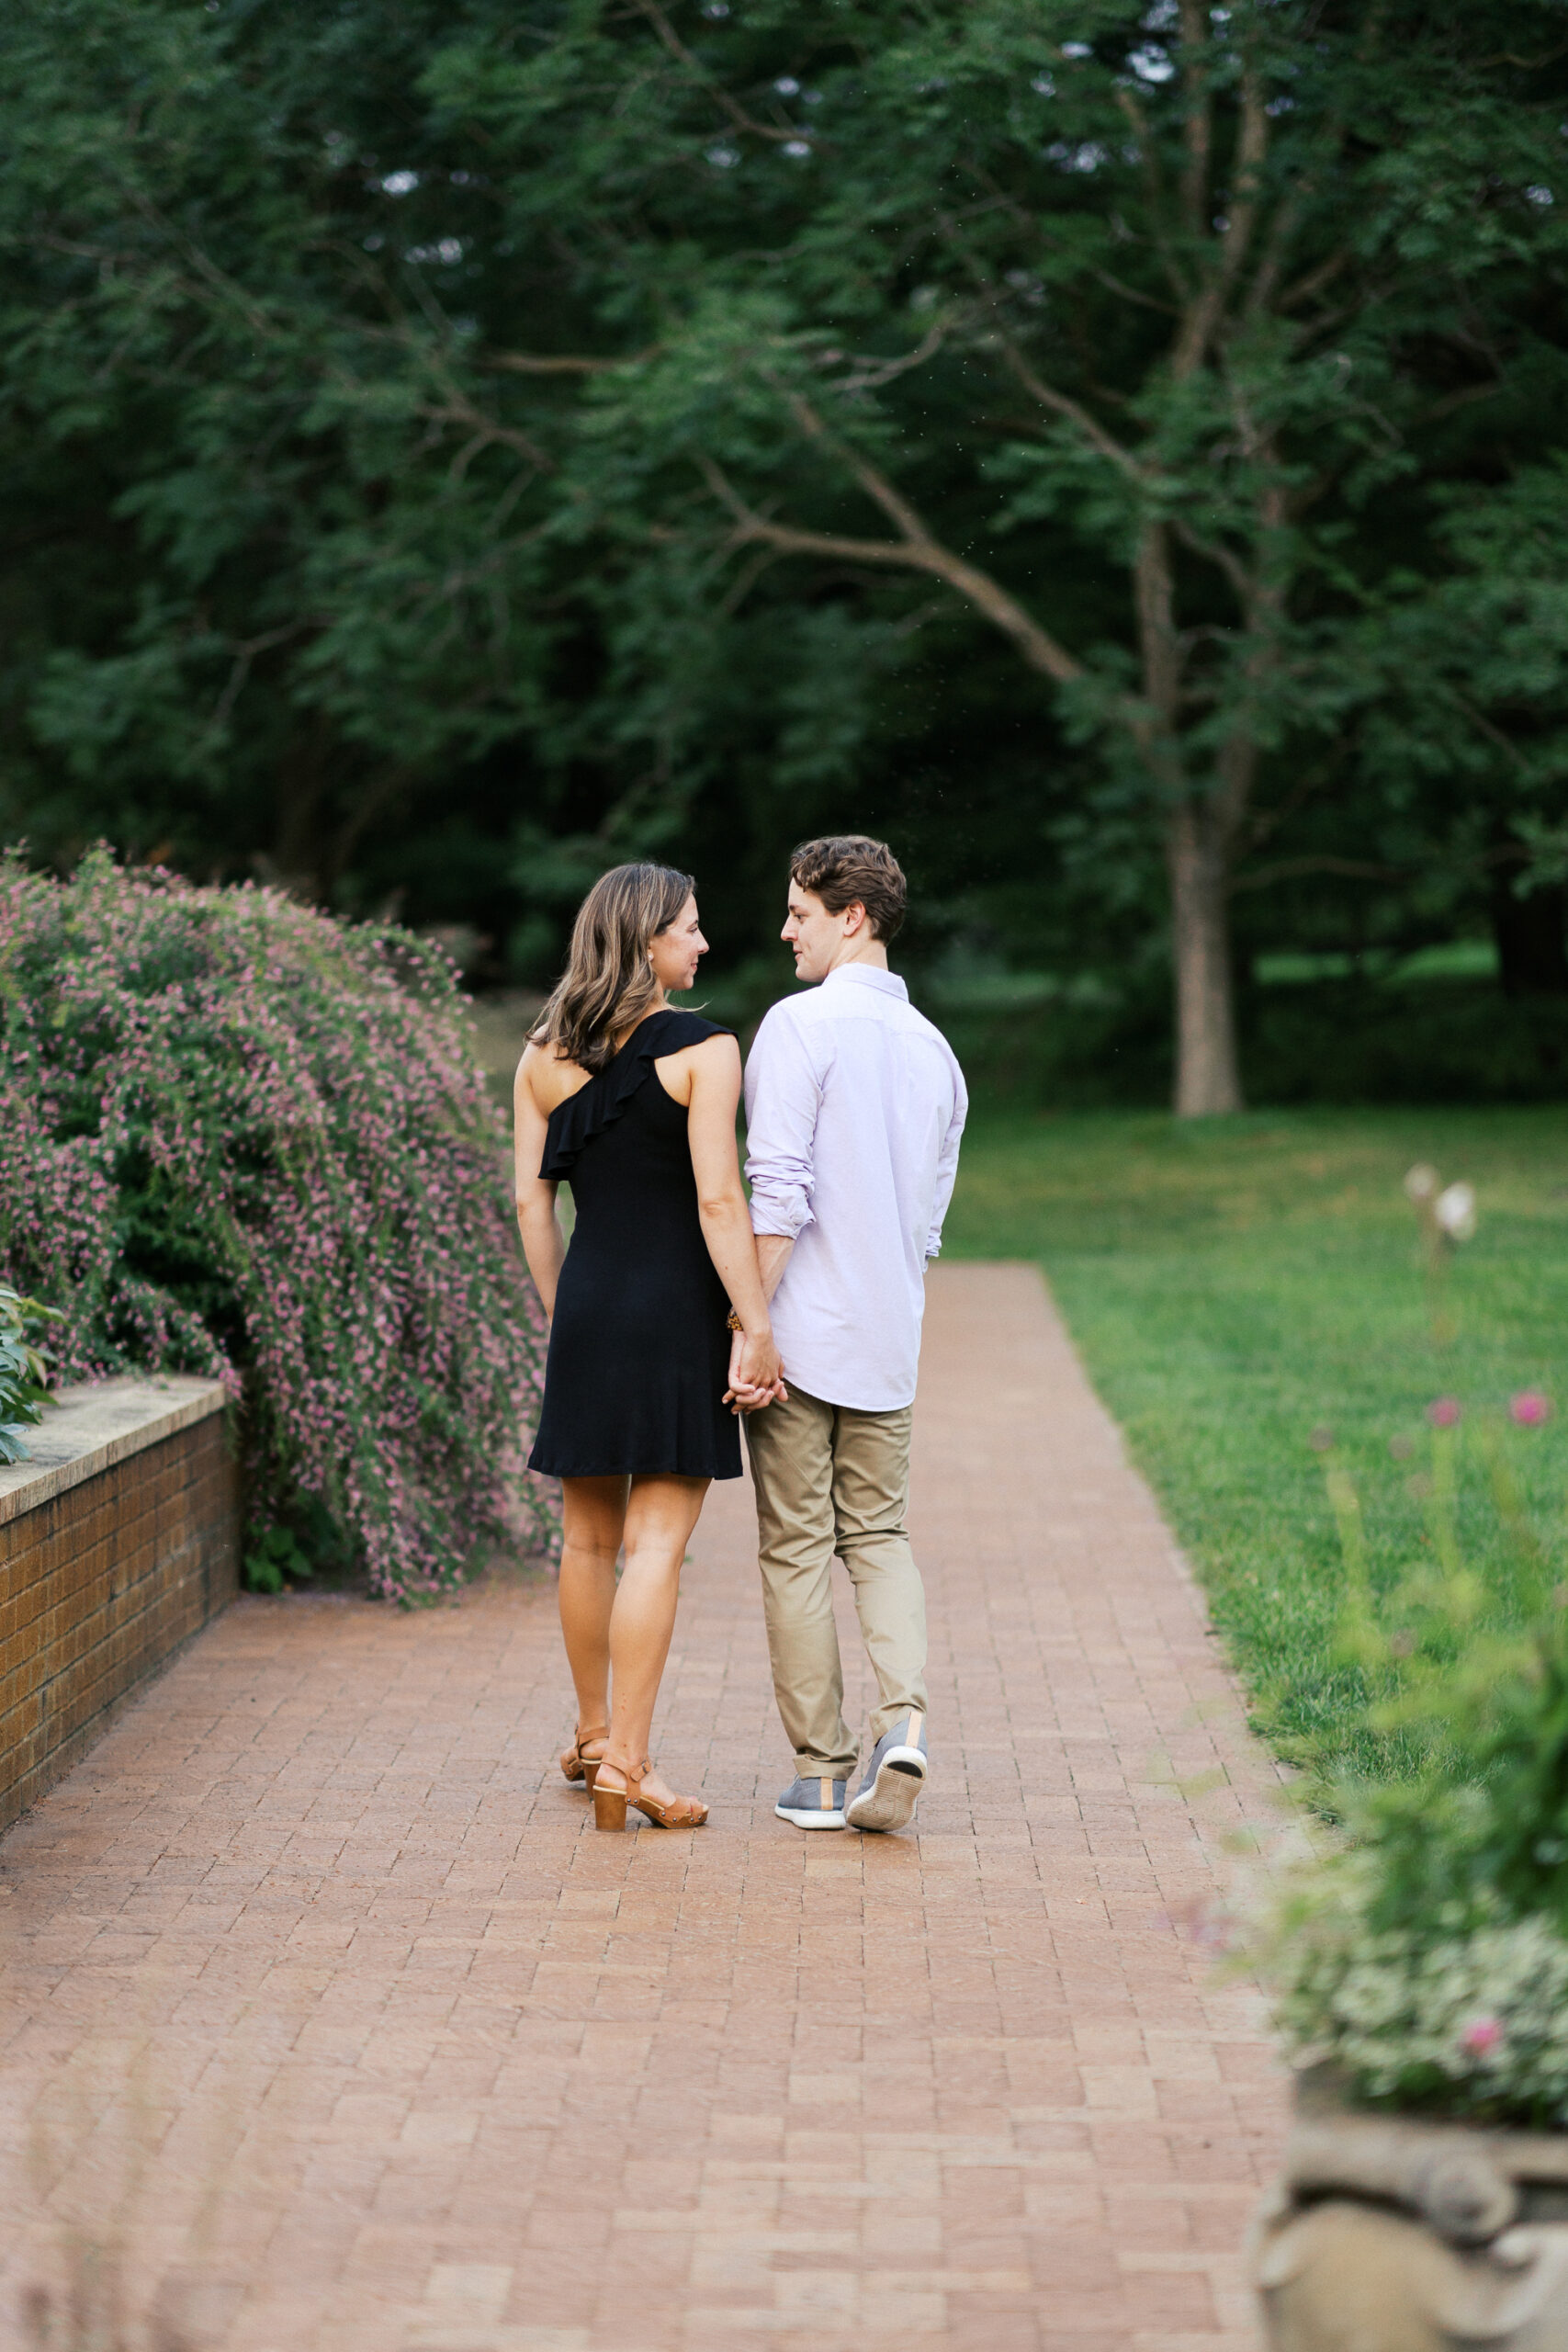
x=783, y=1095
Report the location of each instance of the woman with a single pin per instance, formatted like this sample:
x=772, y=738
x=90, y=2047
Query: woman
x=634, y=1103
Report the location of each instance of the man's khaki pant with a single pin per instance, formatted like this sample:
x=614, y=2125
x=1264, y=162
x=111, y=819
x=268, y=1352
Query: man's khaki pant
x=831, y=1480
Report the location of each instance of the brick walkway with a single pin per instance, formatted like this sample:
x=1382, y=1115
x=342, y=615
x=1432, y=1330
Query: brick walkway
x=320, y=1993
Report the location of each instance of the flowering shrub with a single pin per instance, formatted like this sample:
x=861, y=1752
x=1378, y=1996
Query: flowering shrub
x=1469, y=2016
x=1425, y=1958
x=239, y=1138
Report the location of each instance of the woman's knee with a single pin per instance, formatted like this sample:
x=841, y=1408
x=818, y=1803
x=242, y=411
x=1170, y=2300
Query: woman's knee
x=592, y=1557
x=654, y=1564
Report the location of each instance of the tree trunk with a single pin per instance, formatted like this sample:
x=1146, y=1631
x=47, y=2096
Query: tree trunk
x=1207, y=1082
x=1198, y=835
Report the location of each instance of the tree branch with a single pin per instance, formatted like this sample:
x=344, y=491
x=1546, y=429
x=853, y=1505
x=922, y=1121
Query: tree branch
x=1205, y=313
x=914, y=550
x=527, y=363
x=1198, y=125
x=715, y=90
x=244, y=655
x=1315, y=280
x=1210, y=550
x=1061, y=404
x=874, y=484
x=458, y=410
x=874, y=373
x=1153, y=189
x=1057, y=403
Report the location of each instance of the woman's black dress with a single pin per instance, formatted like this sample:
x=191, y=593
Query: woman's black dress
x=639, y=1347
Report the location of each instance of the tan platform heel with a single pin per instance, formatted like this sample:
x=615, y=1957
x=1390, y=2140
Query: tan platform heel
x=610, y=1804
x=575, y=1766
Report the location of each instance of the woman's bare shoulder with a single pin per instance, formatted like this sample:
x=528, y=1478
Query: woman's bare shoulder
x=714, y=1052
x=716, y=1057
x=547, y=1076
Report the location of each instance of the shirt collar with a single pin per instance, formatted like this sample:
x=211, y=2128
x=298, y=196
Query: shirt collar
x=867, y=976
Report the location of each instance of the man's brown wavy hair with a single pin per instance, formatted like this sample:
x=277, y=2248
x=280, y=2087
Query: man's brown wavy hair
x=850, y=869
x=608, y=985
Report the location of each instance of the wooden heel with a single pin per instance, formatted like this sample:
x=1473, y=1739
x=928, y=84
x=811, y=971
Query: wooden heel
x=609, y=1807
x=679, y=1813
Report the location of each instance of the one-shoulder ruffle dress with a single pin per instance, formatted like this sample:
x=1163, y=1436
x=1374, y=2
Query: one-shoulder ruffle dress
x=639, y=1346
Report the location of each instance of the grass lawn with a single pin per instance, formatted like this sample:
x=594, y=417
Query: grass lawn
x=1234, y=1284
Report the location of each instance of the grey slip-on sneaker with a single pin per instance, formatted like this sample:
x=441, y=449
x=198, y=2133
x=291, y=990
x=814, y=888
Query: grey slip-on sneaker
x=888, y=1797
x=814, y=1804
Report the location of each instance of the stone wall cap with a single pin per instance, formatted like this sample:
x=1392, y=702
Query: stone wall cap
x=96, y=1423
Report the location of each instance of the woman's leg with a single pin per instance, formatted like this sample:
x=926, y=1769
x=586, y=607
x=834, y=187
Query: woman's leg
x=593, y=1513
x=660, y=1515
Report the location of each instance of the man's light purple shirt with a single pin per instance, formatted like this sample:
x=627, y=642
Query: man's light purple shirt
x=854, y=1107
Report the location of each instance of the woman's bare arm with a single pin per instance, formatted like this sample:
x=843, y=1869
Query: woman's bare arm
x=544, y=1245
x=714, y=1067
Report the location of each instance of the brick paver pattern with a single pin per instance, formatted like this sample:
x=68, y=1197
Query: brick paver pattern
x=331, y=2019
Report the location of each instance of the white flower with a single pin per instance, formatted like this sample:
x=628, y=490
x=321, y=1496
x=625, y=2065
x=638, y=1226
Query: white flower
x=1455, y=1211
x=1421, y=1181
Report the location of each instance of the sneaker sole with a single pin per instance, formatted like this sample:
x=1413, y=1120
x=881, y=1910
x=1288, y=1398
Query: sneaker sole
x=890, y=1801
x=815, y=1819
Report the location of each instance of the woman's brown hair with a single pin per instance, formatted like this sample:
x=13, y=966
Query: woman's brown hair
x=608, y=985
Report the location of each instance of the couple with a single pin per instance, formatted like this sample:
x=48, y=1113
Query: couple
x=676, y=1308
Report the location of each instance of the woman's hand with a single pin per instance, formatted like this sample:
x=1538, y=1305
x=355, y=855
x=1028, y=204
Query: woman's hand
x=748, y=1391
x=711, y=1071
x=756, y=1362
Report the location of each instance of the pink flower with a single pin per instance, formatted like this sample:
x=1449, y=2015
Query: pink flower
x=1443, y=1412
x=1480, y=2035
x=1529, y=1407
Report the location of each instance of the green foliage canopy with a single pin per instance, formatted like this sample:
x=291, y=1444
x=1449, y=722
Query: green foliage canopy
x=702, y=404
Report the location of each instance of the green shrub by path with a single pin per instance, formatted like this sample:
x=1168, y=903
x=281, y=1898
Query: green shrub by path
x=240, y=1139
x=24, y=1370
x=1233, y=1285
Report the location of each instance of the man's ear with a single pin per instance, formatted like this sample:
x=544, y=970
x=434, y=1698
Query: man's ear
x=854, y=916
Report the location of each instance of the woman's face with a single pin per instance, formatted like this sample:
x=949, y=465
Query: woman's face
x=674, y=953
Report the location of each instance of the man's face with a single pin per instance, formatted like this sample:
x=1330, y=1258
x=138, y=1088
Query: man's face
x=818, y=937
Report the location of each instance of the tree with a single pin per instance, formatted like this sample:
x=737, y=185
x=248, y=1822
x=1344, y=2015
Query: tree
x=292, y=600
x=581, y=374
x=872, y=288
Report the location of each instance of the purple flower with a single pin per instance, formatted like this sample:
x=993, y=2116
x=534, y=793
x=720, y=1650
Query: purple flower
x=1480, y=2035
x=1530, y=1409
x=1444, y=1412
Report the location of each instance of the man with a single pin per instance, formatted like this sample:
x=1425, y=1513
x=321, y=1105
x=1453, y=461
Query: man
x=855, y=1106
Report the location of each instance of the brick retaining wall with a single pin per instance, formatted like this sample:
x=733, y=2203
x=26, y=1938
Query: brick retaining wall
x=118, y=1540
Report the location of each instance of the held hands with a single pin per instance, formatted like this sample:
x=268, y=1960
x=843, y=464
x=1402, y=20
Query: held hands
x=756, y=1376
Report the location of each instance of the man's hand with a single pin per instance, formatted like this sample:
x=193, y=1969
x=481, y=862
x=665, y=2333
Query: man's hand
x=745, y=1395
